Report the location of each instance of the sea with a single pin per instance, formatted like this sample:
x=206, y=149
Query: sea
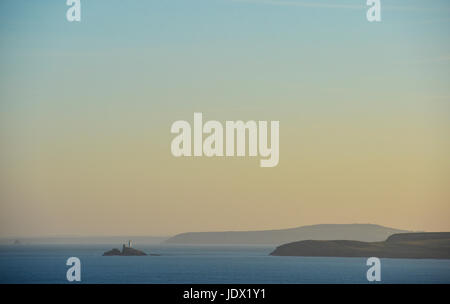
x=179, y=264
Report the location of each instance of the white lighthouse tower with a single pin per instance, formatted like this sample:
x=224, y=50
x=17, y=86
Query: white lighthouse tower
x=129, y=243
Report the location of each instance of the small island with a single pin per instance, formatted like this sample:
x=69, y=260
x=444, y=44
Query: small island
x=126, y=251
x=426, y=245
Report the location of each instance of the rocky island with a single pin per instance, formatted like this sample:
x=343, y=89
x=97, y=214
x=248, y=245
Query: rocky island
x=426, y=245
x=126, y=251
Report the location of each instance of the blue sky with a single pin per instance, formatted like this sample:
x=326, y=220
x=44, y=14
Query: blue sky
x=305, y=41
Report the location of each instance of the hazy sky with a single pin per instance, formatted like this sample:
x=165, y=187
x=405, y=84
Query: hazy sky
x=86, y=110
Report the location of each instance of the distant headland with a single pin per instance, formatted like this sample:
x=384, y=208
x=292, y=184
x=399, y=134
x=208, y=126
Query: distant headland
x=356, y=232
x=424, y=245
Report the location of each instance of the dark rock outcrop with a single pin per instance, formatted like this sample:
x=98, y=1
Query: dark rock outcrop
x=114, y=251
x=126, y=251
x=431, y=245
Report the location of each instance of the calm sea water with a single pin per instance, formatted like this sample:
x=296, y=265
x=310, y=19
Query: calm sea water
x=204, y=264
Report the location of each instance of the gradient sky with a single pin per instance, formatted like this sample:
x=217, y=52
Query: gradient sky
x=86, y=110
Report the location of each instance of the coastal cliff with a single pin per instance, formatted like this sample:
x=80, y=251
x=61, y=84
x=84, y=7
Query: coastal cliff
x=425, y=245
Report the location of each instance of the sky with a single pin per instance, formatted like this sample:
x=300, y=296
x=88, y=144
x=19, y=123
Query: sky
x=86, y=109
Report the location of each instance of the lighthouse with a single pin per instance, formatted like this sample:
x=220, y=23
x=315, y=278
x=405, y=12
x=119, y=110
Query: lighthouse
x=129, y=243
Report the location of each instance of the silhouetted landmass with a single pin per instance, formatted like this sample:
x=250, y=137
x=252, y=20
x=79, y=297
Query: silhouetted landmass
x=126, y=251
x=425, y=245
x=113, y=251
x=357, y=232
